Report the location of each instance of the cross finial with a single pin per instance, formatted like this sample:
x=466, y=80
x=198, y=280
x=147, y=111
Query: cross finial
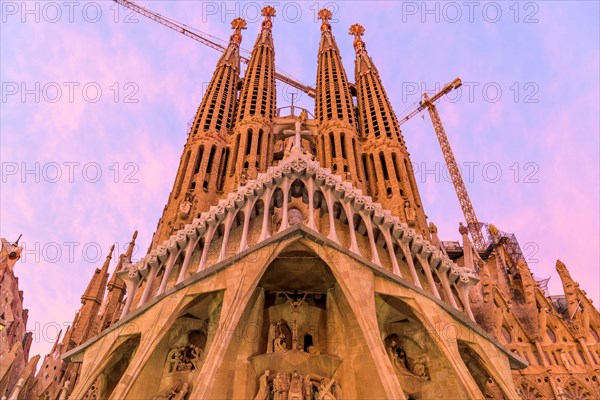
x=237, y=24
x=358, y=31
x=267, y=12
x=325, y=15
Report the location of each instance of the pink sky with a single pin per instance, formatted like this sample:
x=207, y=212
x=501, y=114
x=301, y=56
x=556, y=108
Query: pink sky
x=541, y=134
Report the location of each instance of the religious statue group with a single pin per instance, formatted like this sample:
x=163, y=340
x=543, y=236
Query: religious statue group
x=185, y=358
x=286, y=386
x=417, y=368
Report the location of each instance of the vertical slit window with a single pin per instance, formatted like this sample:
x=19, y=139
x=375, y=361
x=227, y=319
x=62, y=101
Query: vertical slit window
x=235, y=152
x=198, y=159
x=248, y=142
x=386, y=176
x=332, y=144
x=182, y=173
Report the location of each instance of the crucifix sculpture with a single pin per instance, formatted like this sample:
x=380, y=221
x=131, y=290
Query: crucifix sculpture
x=295, y=305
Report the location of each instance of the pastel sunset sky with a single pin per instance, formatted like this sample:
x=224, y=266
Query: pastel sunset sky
x=96, y=101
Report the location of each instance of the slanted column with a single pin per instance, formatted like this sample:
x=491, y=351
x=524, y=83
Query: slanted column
x=228, y=223
x=265, y=231
x=390, y=246
x=132, y=278
x=174, y=252
x=207, y=242
x=152, y=267
x=586, y=352
x=284, y=214
x=369, y=225
x=193, y=239
x=247, y=211
x=17, y=389
x=64, y=391
x=406, y=239
x=349, y=210
x=464, y=284
x=442, y=270
x=329, y=198
x=416, y=248
x=310, y=186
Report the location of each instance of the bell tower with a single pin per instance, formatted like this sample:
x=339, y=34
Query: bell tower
x=338, y=147
x=253, y=134
x=201, y=175
x=390, y=177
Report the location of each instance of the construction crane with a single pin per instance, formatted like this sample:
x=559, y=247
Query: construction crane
x=205, y=41
x=459, y=185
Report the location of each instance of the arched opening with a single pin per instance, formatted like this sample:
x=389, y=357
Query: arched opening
x=248, y=142
x=256, y=221
x=235, y=155
x=222, y=166
x=356, y=160
x=182, y=173
x=361, y=236
x=332, y=145
x=477, y=368
x=198, y=159
x=416, y=359
x=308, y=342
x=551, y=335
x=108, y=379
x=180, y=352
x=259, y=149
x=373, y=178
x=506, y=335
x=341, y=222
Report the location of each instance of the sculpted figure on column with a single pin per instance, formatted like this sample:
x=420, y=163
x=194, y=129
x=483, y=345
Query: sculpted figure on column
x=263, y=386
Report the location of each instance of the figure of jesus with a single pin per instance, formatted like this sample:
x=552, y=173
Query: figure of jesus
x=296, y=143
x=295, y=306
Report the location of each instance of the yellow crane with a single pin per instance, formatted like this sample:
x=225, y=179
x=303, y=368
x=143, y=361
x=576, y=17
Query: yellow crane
x=459, y=185
x=205, y=41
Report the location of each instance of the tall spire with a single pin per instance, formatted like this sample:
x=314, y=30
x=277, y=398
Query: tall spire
x=201, y=173
x=85, y=325
x=116, y=289
x=570, y=287
x=256, y=109
x=338, y=147
x=386, y=160
x=95, y=289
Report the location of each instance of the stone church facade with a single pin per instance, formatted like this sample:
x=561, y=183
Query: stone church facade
x=294, y=260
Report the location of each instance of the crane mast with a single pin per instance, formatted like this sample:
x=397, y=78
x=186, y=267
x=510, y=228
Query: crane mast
x=459, y=185
x=205, y=41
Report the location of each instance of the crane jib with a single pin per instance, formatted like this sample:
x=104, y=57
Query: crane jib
x=177, y=27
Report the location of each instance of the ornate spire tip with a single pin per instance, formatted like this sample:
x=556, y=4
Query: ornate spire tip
x=268, y=11
x=238, y=24
x=357, y=30
x=325, y=15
